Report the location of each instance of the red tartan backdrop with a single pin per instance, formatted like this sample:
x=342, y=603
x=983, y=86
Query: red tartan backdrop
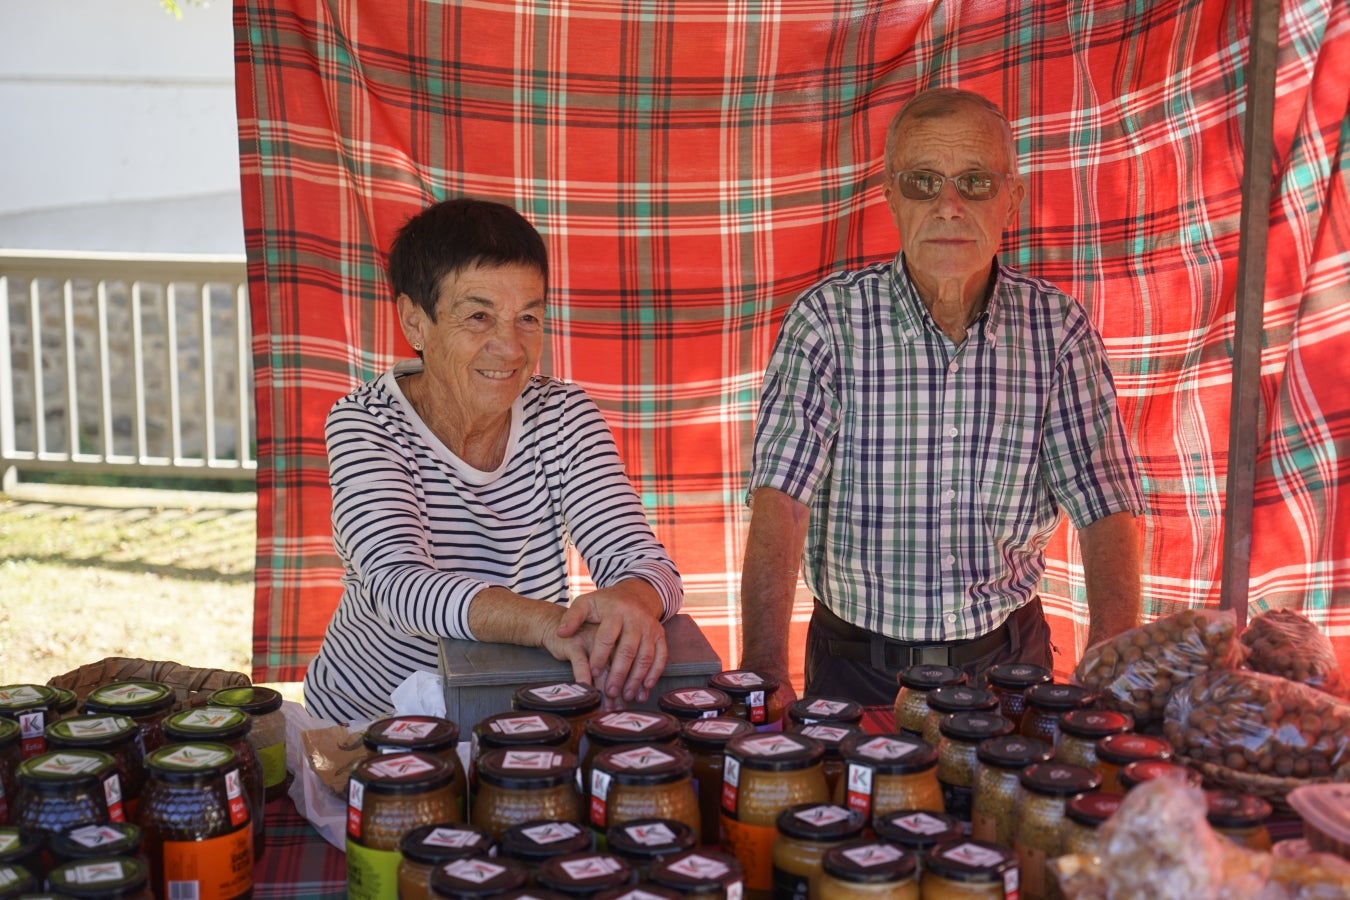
x=694, y=165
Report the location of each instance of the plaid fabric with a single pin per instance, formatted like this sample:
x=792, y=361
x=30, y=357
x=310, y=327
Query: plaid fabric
x=297, y=862
x=693, y=166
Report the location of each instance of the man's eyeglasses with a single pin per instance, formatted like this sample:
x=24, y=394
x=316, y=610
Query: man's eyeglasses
x=921, y=184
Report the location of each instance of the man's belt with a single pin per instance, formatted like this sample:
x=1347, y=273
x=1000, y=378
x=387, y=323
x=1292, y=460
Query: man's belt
x=849, y=641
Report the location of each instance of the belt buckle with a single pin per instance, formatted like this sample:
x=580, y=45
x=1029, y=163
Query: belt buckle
x=932, y=655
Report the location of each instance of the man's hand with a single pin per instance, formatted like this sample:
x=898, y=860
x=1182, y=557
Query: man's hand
x=626, y=646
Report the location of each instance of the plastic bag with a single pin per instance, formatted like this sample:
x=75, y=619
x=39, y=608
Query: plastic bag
x=1136, y=671
x=1285, y=643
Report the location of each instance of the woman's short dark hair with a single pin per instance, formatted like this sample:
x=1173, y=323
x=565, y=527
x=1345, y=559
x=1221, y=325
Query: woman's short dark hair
x=454, y=235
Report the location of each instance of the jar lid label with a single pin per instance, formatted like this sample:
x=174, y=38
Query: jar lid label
x=822, y=814
x=408, y=730
x=519, y=724
x=104, y=871
x=698, y=697
x=596, y=866
x=921, y=823
x=95, y=835
x=873, y=854
x=823, y=707
x=741, y=679
x=551, y=832
x=23, y=695
x=451, y=837
x=644, y=757
x=68, y=764
x=532, y=760
x=8, y=840
x=631, y=721
x=474, y=871
x=769, y=744
x=556, y=693
x=719, y=727
x=886, y=748
x=401, y=766
x=210, y=718
x=193, y=756
x=95, y=726
x=651, y=834
x=973, y=855
x=130, y=692
x=827, y=733
x=698, y=866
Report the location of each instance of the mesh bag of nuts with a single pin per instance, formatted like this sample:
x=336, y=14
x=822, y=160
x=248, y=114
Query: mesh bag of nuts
x=1285, y=643
x=1136, y=671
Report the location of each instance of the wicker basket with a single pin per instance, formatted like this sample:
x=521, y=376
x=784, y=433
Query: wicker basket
x=1271, y=788
x=191, y=685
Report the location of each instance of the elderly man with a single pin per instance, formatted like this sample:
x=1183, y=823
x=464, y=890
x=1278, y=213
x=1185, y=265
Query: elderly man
x=923, y=423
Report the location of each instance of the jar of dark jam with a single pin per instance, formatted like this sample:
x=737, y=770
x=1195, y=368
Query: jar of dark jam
x=754, y=697
x=64, y=789
x=1136, y=773
x=1083, y=815
x=963, y=869
x=11, y=754
x=805, y=832
x=522, y=784
x=1116, y=751
x=427, y=734
x=117, y=736
x=642, y=781
x=1009, y=682
x=99, y=841
x=624, y=727
x=268, y=735
x=16, y=881
x=868, y=868
x=888, y=772
x=705, y=874
x=998, y=771
x=198, y=837
x=19, y=848
x=911, y=701
x=148, y=702
x=918, y=831
x=388, y=795
x=643, y=842
x=102, y=878
x=30, y=706
x=1240, y=817
x=427, y=846
x=540, y=839
x=585, y=874
x=516, y=729
x=706, y=741
x=1046, y=703
x=686, y=703
x=574, y=702
x=834, y=710
x=1038, y=836
x=1081, y=729
x=475, y=877
x=229, y=726
x=831, y=736
x=960, y=737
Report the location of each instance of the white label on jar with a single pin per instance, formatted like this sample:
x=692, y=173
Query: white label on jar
x=67, y=764
x=742, y=679
x=859, y=793
x=825, y=814
x=696, y=697
x=720, y=728
x=473, y=870
x=736, y=890
x=887, y=748
x=973, y=855
x=8, y=876
x=195, y=756
x=33, y=724
x=128, y=693
x=770, y=745
x=551, y=832
x=641, y=758
x=697, y=866
x=8, y=841
x=401, y=766
x=532, y=760
x=875, y=854
x=450, y=837
x=519, y=725
x=827, y=733
x=921, y=823
x=826, y=707
x=406, y=731
x=96, y=873
x=590, y=866
x=653, y=834
x=23, y=695
x=553, y=693
x=600, y=782
x=630, y=721
x=209, y=717
x=356, y=794
x=95, y=726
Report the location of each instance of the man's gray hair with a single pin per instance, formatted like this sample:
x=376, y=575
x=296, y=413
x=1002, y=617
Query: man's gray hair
x=935, y=103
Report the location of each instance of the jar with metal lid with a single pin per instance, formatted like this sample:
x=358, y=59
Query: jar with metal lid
x=268, y=735
x=516, y=729
x=480, y=876
x=148, y=702
x=1083, y=815
x=1239, y=817
x=1046, y=703
x=427, y=846
x=998, y=771
x=813, y=710
x=701, y=874
x=30, y=707
x=686, y=703
x=1080, y=730
x=521, y=784
x=388, y=795
x=102, y=878
x=95, y=841
x=764, y=774
x=1046, y=789
x=954, y=698
x=15, y=881
x=831, y=736
x=540, y=839
x=917, y=831
x=1118, y=750
x=624, y=728
x=572, y=701
x=65, y=702
x=64, y=789
x=963, y=869
x=754, y=697
x=805, y=832
x=1009, y=681
x=706, y=741
x=19, y=848
x=911, y=701
x=642, y=781
x=867, y=868
x=960, y=736
x=1136, y=773
x=888, y=772
x=198, y=836
x=117, y=736
x=428, y=734
x=229, y=726
x=585, y=874
x=643, y=842
x=11, y=754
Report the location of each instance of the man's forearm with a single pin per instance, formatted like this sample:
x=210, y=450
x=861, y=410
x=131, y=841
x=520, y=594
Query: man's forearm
x=1111, y=572
x=769, y=579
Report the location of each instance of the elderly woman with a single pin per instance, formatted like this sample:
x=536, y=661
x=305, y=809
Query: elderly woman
x=459, y=478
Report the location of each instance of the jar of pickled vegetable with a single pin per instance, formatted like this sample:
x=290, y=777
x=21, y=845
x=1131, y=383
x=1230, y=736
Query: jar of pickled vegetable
x=1083, y=815
x=428, y=734
x=229, y=726
x=148, y=702
x=522, y=784
x=917, y=831
x=585, y=874
x=427, y=846
x=516, y=729
x=104, y=878
x=1136, y=773
x=1009, y=681
x=29, y=706
x=117, y=736
x=540, y=839
x=764, y=774
x=389, y=795
x=706, y=741
x=701, y=874
x=833, y=710
x=643, y=842
x=11, y=754
x=866, y=868
x=888, y=772
x=963, y=869
x=954, y=698
x=474, y=877
x=960, y=736
x=831, y=736
x=624, y=728
x=754, y=697
x=64, y=789
x=642, y=781
x=1239, y=817
x=687, y=703
x=1046, y=789
x=195, y=817
x=268, y=735
x=574, y=702
x=805, y=832
x=998, y=770
x=1118, y=750
x=1081, y=729
x=1047, y=703
x=911, y=701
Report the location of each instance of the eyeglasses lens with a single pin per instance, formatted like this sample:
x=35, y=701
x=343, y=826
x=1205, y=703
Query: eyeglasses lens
x=920, y=184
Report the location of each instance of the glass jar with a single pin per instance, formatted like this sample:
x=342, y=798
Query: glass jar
x=706, y=741
x=1083, y=815
x=117, y=736
x=642, y=781
x=1080, y=730
x=102, y=878
x=427, y=846
x=754, y=697
x=516, y=729
x=148, y=702
x=805, y=832
x=868, y=868
x=963, y=869
x=960, y=735
x=701, y=874
x=540, y=839
x=1118, y=750
x=268, y=735
x=99, y=841
x=478, y=876
x=917, y=831
x=1141, y=770
x=585, y=874
x=643, y=842
x=1046, y=789
x=764, y=774
x=954, y=698
x=831, y=736
x=522, y=784
x=911, y=701
x=624, y=728
x=1240, y=817
x=998, y=770
x=30, y=707
x=687, y=703
x=64, y=703
x=229, y=726
x=813, y=710
x=389, y=795
x=574, y=702
x=884, y=773
x=195, y=816
x=64, y=789
x=1009, y=681
x=16, y=881
x=1046, y=703
x=427, y=734
x=19, y=848
x=11, y=754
